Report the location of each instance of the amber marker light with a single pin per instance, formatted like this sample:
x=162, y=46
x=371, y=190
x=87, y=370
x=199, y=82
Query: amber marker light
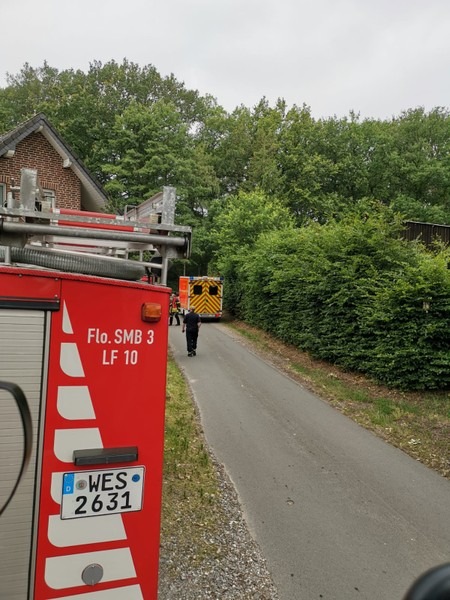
x=151, y=312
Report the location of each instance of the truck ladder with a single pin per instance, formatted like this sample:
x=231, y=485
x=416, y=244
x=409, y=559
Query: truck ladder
x=102, y=238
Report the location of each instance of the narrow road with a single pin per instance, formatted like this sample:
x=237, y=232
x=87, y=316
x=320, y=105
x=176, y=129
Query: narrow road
x=337, y=512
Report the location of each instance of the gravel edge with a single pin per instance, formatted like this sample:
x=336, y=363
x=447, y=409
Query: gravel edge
x=237, y=571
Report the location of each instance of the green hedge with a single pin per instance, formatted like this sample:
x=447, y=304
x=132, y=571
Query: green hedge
x=355, y=294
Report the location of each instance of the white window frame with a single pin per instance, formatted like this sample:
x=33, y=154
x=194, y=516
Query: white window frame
x=50, y=195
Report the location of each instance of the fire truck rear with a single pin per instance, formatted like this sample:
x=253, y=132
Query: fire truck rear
x=84, y=333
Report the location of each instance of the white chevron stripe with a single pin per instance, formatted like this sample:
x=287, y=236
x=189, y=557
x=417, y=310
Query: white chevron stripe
x=56, y=487
x=132, y=592
x=74, y=532
x=69, y=360
x=65, y=571
x=68, y=440
x=74, y=402
x=66, y=324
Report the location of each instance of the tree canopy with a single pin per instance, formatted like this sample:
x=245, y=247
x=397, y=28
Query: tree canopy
x=137, y=130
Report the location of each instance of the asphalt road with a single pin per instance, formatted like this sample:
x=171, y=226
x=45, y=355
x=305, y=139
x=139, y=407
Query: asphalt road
x=337, y=512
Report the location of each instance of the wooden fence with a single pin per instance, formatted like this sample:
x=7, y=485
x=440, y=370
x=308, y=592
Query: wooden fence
x=426, y=232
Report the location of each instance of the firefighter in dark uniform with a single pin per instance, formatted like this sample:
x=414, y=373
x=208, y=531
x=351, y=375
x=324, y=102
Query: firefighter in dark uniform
x=191, y=324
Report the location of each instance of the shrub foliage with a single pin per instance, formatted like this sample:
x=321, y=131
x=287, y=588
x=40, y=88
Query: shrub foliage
x=353, y=293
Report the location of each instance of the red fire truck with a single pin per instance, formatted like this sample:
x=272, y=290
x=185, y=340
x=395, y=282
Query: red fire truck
x=83, y=332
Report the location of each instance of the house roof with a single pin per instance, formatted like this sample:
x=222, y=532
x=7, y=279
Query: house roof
x=93, y=197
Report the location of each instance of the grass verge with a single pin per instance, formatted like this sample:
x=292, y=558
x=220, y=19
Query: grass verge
x=190, y=484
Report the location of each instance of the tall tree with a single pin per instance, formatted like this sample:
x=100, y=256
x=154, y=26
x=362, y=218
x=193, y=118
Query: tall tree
x=264, y=171
x=150, y=147
x=306, y=170
x=422, y=144
x=83, y=106
x=229, y=139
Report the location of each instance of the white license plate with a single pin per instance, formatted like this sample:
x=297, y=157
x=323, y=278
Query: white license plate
x=93, y=493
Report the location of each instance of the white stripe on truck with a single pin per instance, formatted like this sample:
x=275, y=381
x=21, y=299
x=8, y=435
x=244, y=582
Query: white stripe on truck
x=64, y=571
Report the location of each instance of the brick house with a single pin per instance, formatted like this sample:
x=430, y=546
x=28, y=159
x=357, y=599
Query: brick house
x=62, y=177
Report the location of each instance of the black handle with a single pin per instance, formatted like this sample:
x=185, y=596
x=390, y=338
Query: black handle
x=104, y=456
x=27, y=427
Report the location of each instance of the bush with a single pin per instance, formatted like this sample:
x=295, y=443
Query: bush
x=355, y=294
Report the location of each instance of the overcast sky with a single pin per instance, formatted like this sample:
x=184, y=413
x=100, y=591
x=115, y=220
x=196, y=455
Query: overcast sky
x=376, y=57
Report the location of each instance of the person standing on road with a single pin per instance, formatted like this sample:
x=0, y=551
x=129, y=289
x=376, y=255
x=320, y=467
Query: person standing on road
x=174, y=309
x=191, y=324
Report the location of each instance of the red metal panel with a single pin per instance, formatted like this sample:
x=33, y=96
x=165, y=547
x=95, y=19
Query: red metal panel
x=106, y=388
x=28, y=285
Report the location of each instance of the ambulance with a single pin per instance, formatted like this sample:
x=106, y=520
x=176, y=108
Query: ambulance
x=83, y=335
x=203, y=294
